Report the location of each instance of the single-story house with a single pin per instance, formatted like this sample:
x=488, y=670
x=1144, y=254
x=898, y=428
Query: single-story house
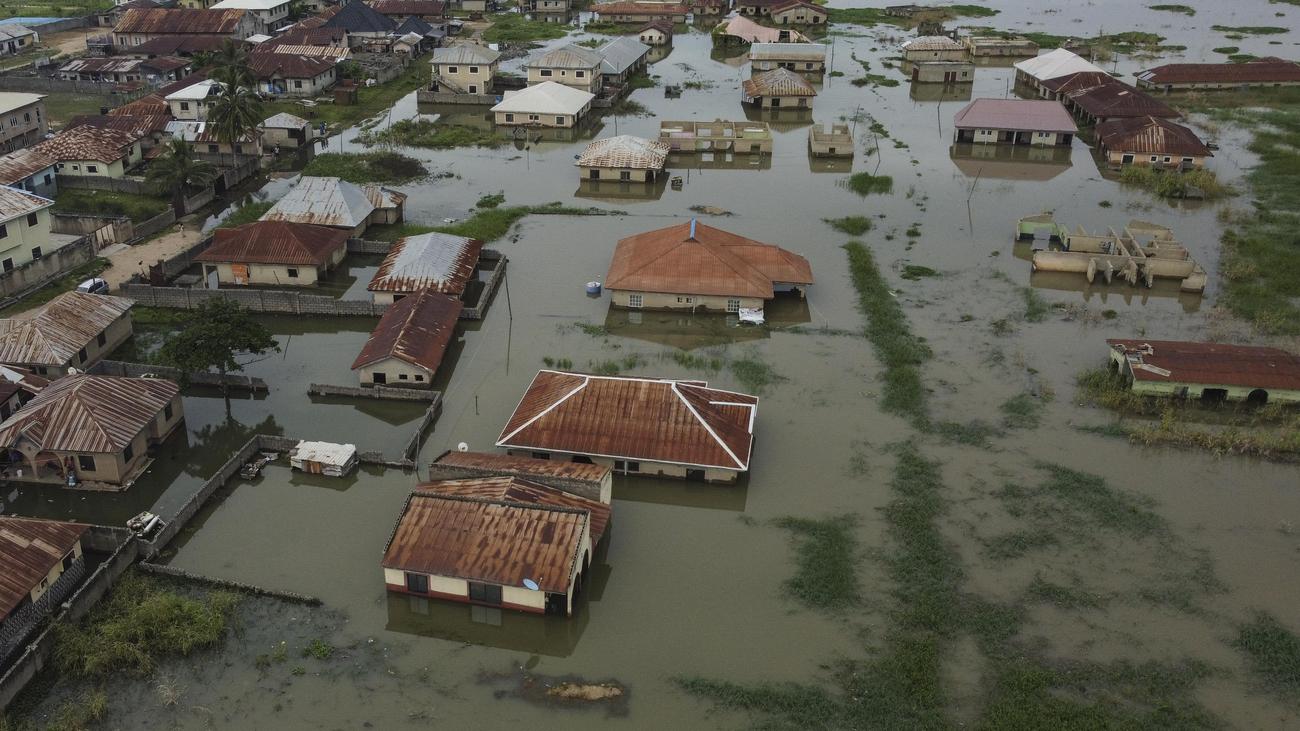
x=104, y=69
x=691, y=266
x=141, y=25
x=40, y=565
x=193, y=101
x=400, y=10
x=797, y=12
x=31, y=170
x=634, y=12
x=1262, y=72
x=622, y=58
x=808, y=59
x=592, y=481
x=1150, y=141
x=73, y=330
x=1032, y=72
x=24, y=227
x=466, y=68
x=178, y=45
x=739, y=29
x=366, y=27
x=1114, y=100
x=933, y=48
x=433, y=261
x=625, y=158
x=999, y=47
x=547, y=104
x=495, y=541
x=943, y=72
x=85, y=428
x=16, y=38
x=656, y=33
x=635, y=425
x=273, y=253
x=338, y=203
x=205, y=139
x=779, y=88
x=292, y=75
x=1015, y=122
x=708, y=8
x=149, y=128
x=287, y=130
x=571, y=65
x=1208, y=371
x=89, y=150
x=755, y=8
x=407, y=346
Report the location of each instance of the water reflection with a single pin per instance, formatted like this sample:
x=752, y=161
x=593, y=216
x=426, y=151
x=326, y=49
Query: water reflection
x=683, y=493
x=1098, y=292
x=681, y=163
x=920, y=92
x=1010, y=162
x=781, y=120
x=615, y=190
x=830, y=164
x=689, y=331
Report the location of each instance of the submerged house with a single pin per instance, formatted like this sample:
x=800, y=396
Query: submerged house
x=625, y=158
x=1208, y=371
x=592, y=481
x=339, y=204
x=435, y=262
x=407, y=346
x=465, y=68
x=797, y=12
x=273, y=253
x=40, y=564
x=74, y=330
x=640, y=12
x=717, y=136
x=1015, y=122
x=656, y=33
x=1032, y=72
x=933, y=48
x=547, y=104
x=1262, y=72
x=287, y=130
x=85, y=428
x=779, y=88
x=808, y=59
x=1151, y=142
x=496, y=541
x=571, y=65
x=287, y=74
x=635, y=425
x=691, y=266
x=621, y=59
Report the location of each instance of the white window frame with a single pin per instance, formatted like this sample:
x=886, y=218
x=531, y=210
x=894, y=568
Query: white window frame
x=636, y=300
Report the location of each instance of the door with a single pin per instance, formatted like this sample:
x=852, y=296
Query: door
x=239, y=272
x=417, y=583
x=949, y=77
x=916, y=73
x=379, y=377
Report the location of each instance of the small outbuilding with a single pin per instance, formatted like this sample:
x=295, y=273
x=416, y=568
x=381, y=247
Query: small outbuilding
x=835, y=142
x=1208, y=371
x=1015, y=122
x=548, y=104
x=432, y=261
x=323, y=458
x=287, y=130
x=1150, y=142
x=274, y=253
x=779, y=88
x=943, y=72
x=624, y=158
x=408, y=344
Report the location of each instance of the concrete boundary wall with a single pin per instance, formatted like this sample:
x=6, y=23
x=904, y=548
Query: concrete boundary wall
x=383, y=393
x=480, y=308
x=430, y=415
x=137, y=370
x=21, y=281
x=169, y=571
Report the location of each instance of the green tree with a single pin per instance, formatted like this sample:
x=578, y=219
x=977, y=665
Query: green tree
x=213, y=336
x=235, y=114
x=178, y=170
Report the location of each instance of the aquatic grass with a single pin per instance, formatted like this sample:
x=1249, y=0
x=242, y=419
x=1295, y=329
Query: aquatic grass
x=851, y=225
x=1018, y=544
x=518, y=28
x=865, y=184
x=1201, y=184
x=753, y=374
x=1273, y=654
x=973, y=433
x=916, y=272
x=1082, y=499
x=1022, y=411
x=138, y=208
x=1068, y=597
x=366, y=167
x=1036, y=308
x=1251, y=30
x=1168, y=8
x=433, y=135
x=1282, y=445
x=563, y=364
x=696, y=362
x=1226, y=50
x=825, y=561
x=491, y=200
x=319, y=649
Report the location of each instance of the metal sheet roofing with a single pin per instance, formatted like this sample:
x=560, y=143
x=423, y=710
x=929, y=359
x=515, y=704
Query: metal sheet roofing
x=621, y=54
x=323, y=201
x=89, y=143
x=646, y=419
x=14, y=31
x=1259, y=71
x=85, y=413
x=288, y=65
x=437, y=261
x=512, y=489
x=284, y=120
x=625, y=151
x=784, y=51
x=1150, y=135
x=654, y=8
x=136, y=125
x=547, y=97
x=692, y=258
x=931, y=43
x=524, y=466
x=174, y=21
x=173, y=44
x=1058, y=62
x=276, y=242
x=414, y=8
x=778, y=82
x=15, y=202
x=248, y=4
x=11, y=100
x=416, y=329
x=29, y=550
x=747, y=30
x=55, y=332
x=1031, y=115
x=1117, y=99
x=355, y=16
x=92, y=65
x=567, y=57
x=21, y=164
x=195, y=90
x=1078, y=81
x=465, y=53
x=145, y=105
x=1217, y=364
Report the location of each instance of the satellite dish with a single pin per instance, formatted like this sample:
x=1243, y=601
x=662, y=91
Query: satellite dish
x=530, y=584
x=462, y=447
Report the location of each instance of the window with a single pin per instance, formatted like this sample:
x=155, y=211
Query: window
x=485, y=593
x=733, y=305
x=419, y=376
x=473, y=69
x=47, y=180
x=167, y=412
x=85, y=463
x=185, y=106
x=534, y=118
x=101, y=339
x=1153, y=158
x=418, y=583
x=32, y=219
x=81, y=355
x=69, y=559
x=510, y=117
x=626, y=466
x=4, y=231
x=624, y=175
x=92, y=168
x=1166, y=158
x=239, y=149
x=451, y=69
x=128, y=453
x=545, y=72
x=579, y=74
x=635, y=300
x=379, y=377
x=27, y=117
x=36, y=252
x=403, y=377
x=293, y=273
x=541, y=455
x=297, y=83
x=8, y=263
x=559, y=120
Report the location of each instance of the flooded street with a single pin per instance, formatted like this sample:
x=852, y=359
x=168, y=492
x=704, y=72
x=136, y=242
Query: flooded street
x=690, y=581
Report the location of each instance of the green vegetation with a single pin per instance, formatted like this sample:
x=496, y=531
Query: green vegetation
x=141, y=622
x=696, y=362
x=826, y=572
x=1069, y=597
x=642, y=81
x=52, y=8
x=105, y=203
x=1227, y=49
x=1036, y=308
x=900, y=352
x=247, y=213
x=427, y=133
x=563, y=364
x=1250, y=30
x=516, y=28
x=916, y=272
x=491, y=200
x=615, y=367
x=1023, y=411
x=851, y=225
x=874, y=16
x=487, y=224
x=1018, y=544
x=1242, y=57
x=62, y=106
x=865, y=184
x=1174, y=184
x=1277, y=445
x=319, y=649
x=371, y=100
x=754, y=374
x=1273, y=652
x=367, y=167
x=179, y=170
x=1184, y=9
x=213, y=335
x=69, y=281
x=1077, y=501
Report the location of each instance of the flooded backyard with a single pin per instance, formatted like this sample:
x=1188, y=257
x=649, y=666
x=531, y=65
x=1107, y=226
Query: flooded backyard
x=1100, y=557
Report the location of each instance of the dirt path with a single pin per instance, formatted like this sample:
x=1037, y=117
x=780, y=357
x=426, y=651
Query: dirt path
x=136, y=259
x=71, y=41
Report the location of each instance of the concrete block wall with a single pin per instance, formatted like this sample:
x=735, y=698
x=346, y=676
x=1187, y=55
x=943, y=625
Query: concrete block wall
x=52, y=265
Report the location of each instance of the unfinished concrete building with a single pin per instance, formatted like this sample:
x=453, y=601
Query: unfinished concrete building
x=1141, y=252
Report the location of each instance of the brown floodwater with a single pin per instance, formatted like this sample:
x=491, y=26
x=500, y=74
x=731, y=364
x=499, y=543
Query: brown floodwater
x=691, y=579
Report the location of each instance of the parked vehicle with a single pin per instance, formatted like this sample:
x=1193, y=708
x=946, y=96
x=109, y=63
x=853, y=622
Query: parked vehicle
x=94, y=285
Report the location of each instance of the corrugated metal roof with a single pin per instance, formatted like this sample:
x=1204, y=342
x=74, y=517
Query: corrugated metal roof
x=173, y=44
x=276, y=242
x=567, y=57
x=1117, y=99
x=1150, y=135
x=437, y=261
x=547, y=97
x=89, y=143
x=175, y=21
x=14, y=31
x=778, y=82
x=248, y=4
x=288, y=65
x=621, y=54
x=85, y=413
x=1209, y=364
x=29, y=550
x=284, y=120
x=524, y=466
x=1058, y=62
x=1260, y=71
x=655, y=8
x=331, y=52
x=645, y=419
x=492, y=542
x=511, y=489
x=747, y=30
x=692, y=258
x=12, y=100
x=465, y=53
x=21, y=164
x=323, y=201
x=101, y=65
x=1027, y=115
x=784, y=51
x=15, y=202
x=416, y=329
x=137, y=125
x=195, y=90
x=932, y=43
x=145, y=105
x=56, y=331
x=417, y=8
x=357, y=17
x=625, y=151
x=1078, y=81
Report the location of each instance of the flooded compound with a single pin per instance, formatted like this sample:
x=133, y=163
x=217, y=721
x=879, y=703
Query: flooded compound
x=1118, y=576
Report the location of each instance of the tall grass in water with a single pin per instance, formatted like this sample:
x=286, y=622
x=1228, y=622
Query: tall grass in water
x=1273, y=652
x=826, y=571
x=1174, y=184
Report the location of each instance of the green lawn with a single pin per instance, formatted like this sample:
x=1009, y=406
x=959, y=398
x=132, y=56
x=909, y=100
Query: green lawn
x=102, y=202
x=370, y=100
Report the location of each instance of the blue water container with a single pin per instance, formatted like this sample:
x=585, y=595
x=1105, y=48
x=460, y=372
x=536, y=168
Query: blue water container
x=593, y=288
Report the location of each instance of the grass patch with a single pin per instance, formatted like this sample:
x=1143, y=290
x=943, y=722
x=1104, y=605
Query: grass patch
x=615, y=367
x=1036, y=308
x=516, y=28
x=106, y=203
x=696, y=362
x=1282, y=445
x=247, y=213
x=754, y=375
x=1068, y=597
x=1018, y=544
x=1081, y=501
x=319, y=649
x=563, y=364
x=487, y=224
x=491, y=200
x=916, y=272
x=876, y=16
x=851, y=225
x=865, y=184
x=1023, y=411
x=1251, y=30
x=1226, y=50
x=1202, y=184
x=1273, y=653
x=371, y=100
x=1184, y=9
x=67, y=282
x=825, y=561
x=429, y=134
x=366, y=167
x=975, y=433
x=1242, y=57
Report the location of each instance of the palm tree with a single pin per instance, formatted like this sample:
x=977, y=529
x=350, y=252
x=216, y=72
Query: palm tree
x=179, y=170
x=230, y=65
x=235, y=114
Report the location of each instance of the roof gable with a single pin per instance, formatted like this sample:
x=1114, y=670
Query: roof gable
x=84, y=413
x=415, y=329
x=323, y=201
x=29, y=550
x=65, y=325
x=275, y=242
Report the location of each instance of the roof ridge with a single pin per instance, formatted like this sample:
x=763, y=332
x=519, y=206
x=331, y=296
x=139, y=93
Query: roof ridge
x=586, y=379
x=706, y=426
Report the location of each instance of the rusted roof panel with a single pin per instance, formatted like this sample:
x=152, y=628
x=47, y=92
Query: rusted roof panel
x=643, y=419
x=85, y=413
x=932, y=43
x=15, y=202
x=276, y=242
x=567, y=57
x=692, y=258
x=1211, y=364
x=1117, y=99
x=657, y=8
x=1078, y=81
x=89, y=143
x=747, y=30
x=422, y=8
x=324, y=202
x=145, y=106
x=436, y=261
x=29, y=550
x=91, y=65
x=625, y=151
x=173, y=21
x=512, y=489
x=1261, y=71
x=787, y=51
x=778, y=82
x=288, y=65
x=416, y=329
x=178, y=44
x=55, y=332
x=136, y=125
x=1150, y=136
x=485, y=541
x=525, y=466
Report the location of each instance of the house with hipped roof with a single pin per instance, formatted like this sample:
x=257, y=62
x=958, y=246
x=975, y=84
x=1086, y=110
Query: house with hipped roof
x=273, y=253
x=71, y=331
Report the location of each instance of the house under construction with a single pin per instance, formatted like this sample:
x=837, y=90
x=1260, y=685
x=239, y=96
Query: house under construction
x=1141, y=252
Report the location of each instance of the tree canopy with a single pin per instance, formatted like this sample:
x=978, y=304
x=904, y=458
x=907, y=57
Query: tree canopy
x=177, y=170
x=213, y=335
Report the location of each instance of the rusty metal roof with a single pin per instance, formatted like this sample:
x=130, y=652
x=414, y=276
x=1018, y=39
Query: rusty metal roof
x=89, y=143
x=175, y=21
x=137, y=125
x=1260, y=71
x=646, y=419
x=145, y=105
x=92, y=65
x=692, y=258
x=778, y=82
x=787, y=51
x=275, y=242
x=15, y=202
x=524, y=466
x=1117, y=99
x=1078, y=81
x=494, y=542
x=1150, y=136
x=29, y=550
x=1211, y=364
x=1032, y=115
x=567, y=57
x=85, y=413
x=415, y=329
x=436, y=261
x=932, y=43
x=288, y=65
x=747, y=30
x=55, y=332
x=178, y=44
x=625, y=151
x=511, y=489
x=656, y=8
x=420, y=8
x=323, y=201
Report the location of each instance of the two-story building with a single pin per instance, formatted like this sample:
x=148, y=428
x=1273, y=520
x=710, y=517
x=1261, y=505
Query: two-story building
x=24, y=227
x=22, y=120
x=192, y=102
x=267, y=15
x=570, y=65
x=465, y=69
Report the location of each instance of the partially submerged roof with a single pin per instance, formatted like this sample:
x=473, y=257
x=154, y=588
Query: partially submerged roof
x=655, y=420
x=357, y=17
x=508, y=464
x=465, y=53
x=778, y=82
x=621, y=54
x=1031, y=115
x=437, y=261
x=1211, y=364
x=1117, y=99
x=932, y=43
x=173, y=21
x=15, y=202
x=784, y=51
x=23, y=163
x=513, y=489
x=1078, y=81
x=1258, y=71
x=416, y=329
x=85, y=413
x=323, y=201
x=1151, y=135
x=1058, y=62
x=284, y=120
x=638, y=8
x=569, y=56
x=88, y=142
x=692, y=258
x=29, y=550
x=56, y=331
x=547, y=97
x=625, y=151
x=747, y=30
x=276, y=242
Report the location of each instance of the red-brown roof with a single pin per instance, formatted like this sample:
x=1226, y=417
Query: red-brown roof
x=275, y=242
x=1150, y=136
x=188, y=44
x=693, y=258
x=1216, y=364
x=638, y=9
x=777, y=82
x=288, y=66
x=654, y=420
x=1030, y=115
x=1118, y=99
x=512, y=489
x=781, y=6
x=92, y=414
x=1078, y=81
x=136, y=125
x=425, y=8
x=23, y=163
x=416, y=329
x=663, y=26
x=1260, y=71
x=508, y=464
x=29, y=550
x=145, y=105
x=89, y=143
x=302, y=36
x=174, y=21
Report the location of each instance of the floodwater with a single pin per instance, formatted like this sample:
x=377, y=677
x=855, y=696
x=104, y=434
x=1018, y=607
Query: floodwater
x=690, y=582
